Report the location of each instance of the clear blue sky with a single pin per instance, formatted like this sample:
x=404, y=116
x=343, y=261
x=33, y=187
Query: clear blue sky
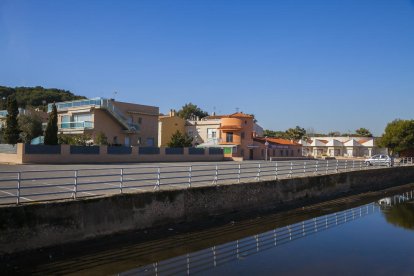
x=325, y=64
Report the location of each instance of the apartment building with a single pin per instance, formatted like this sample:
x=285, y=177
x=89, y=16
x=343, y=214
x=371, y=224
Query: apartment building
x=128, y=124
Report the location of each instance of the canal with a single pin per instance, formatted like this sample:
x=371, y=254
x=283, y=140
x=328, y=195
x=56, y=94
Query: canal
x=370, y=234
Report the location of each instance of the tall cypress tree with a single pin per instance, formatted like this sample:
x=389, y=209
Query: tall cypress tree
x=11, y=131
x=51, y=134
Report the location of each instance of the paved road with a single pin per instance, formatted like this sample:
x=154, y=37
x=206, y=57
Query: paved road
x=51, y=182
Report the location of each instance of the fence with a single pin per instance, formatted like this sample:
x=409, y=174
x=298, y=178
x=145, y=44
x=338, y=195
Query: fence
x=203, y=260
x=30, y=186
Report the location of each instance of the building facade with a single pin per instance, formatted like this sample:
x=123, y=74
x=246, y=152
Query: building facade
x=122, y=123
x=275, y=147
x=341, y=147
x=168, y=125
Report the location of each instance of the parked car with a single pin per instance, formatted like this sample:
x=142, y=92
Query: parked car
x=380, y=160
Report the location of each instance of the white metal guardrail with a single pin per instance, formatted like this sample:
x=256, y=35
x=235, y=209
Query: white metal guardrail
x=30, y=186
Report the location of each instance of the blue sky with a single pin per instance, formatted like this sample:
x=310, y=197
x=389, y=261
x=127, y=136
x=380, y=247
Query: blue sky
x=325, y=64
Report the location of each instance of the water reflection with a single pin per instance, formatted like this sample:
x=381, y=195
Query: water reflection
x=202, y=250
x=401, y=215
x=397, y=209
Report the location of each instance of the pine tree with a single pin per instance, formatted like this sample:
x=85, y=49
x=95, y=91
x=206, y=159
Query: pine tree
x=11, y=131
x=179, y=140
x=51, y=134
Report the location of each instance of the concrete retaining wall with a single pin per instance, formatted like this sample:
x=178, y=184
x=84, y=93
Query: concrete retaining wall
x=39, y=225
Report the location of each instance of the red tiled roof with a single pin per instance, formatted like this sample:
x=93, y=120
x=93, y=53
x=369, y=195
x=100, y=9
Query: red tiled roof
x=279, y=141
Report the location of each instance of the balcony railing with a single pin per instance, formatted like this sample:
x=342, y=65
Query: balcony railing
x=76, y=125
x=101, y=103
x=66, y=105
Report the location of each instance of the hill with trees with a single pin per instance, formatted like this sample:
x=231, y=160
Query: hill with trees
x=35, y=96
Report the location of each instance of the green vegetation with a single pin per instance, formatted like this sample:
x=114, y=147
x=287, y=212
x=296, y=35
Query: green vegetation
x=74, y=139
x=296, y=133
x=178, y=140
x=11, y=131
x=30, y=127
x=363, y=132
x=189, y=111
x=51, y=133
x=101, y=139
x=398, y=136
x=35, y=96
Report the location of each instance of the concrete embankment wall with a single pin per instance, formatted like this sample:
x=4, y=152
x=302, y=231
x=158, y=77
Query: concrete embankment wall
x=40, y=225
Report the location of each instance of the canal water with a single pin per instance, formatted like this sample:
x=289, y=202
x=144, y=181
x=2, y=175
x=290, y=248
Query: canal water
x=342, y=237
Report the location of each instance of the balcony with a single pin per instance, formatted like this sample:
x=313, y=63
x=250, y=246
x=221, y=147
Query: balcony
x=73, y=104
x=75, y=125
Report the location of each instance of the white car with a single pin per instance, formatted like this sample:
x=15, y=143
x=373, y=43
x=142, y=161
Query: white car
x=380, y=160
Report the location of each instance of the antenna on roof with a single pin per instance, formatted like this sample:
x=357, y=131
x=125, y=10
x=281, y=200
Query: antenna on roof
x=115, y=93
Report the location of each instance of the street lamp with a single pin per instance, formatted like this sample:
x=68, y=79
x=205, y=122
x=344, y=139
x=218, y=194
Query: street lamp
x=267, y=147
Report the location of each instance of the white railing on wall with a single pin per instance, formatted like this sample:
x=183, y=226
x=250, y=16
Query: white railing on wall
x=19, y=187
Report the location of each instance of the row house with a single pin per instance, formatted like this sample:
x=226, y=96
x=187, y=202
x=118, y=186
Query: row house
x=341, y=146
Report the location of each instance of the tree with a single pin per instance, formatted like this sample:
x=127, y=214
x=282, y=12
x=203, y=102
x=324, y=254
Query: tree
x=296, y=133
x=51, y=134
x=30, y=127
x=178, y=140
x=275, y=134
x=334, y=134
x=101, y=139
x=11, y=131
x=189, y=111
x=363, y=132
x=398, y=136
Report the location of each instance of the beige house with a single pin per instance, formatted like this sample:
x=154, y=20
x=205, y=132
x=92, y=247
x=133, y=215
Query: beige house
x=204, y=131
x=123, y=123
x=340, y=146
x=168, y=125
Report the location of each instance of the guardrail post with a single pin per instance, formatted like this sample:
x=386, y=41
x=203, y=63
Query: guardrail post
x=291, y=169
x=215, y=180
x=337, y=164
x=360, y=165
x=158, y=183
x=327, y=166
x=18, y=188
x=258, y=172
x=304, y=168
x=353, y=164
x=238, y=173
x=276, y=171
x=75, y=185
x=316, y=167
x=346, y=165
x=121, y=181
x=190, y=170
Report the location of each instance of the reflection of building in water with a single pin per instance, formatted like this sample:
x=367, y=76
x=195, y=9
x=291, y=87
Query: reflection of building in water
x=240, y=249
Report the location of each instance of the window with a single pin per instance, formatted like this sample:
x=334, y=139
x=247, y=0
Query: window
x=281, y=152
x=150, y=142
x=65, y=118
x=229, y=137
x=139, y=141
x=242, y=135
x=211, y=133
x=139, y=120
x=115, y=140
x=287, y=152
x=291, y=153
x=242, y=152
x=86, y=117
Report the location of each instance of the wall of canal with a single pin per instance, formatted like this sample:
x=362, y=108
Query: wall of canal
x=34, y=226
